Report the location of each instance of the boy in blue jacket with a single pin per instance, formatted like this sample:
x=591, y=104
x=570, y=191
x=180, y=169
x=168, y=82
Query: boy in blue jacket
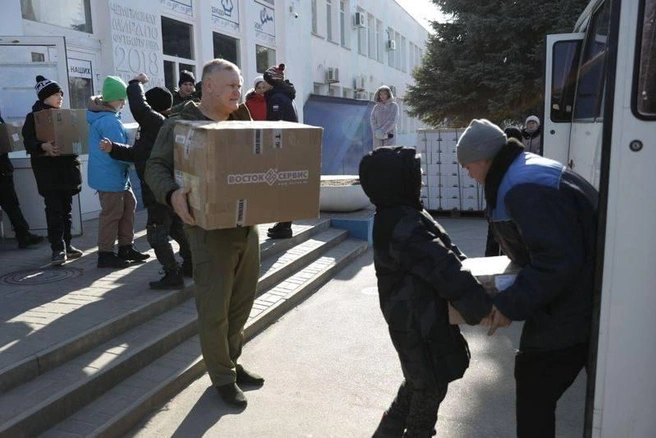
x=110, y=178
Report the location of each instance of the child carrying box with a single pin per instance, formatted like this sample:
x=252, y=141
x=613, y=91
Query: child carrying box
x=58, y=176
x=419, y=271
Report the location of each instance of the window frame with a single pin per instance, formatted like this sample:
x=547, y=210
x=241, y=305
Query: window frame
x=637, y=63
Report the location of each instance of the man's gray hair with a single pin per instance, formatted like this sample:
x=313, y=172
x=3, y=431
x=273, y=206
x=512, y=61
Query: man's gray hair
x=218, y=64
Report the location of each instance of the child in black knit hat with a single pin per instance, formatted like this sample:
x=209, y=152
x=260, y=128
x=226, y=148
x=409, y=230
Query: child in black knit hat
x=58, y=176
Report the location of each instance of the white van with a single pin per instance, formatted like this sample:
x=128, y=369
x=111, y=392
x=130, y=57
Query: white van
x=600, y=120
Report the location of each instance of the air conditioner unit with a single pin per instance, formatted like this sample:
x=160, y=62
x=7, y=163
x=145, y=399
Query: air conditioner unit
x=390, y=45
x=362, y=95
x=360, y=83
x=360, y=20
x=393, y=90
x=332, y=75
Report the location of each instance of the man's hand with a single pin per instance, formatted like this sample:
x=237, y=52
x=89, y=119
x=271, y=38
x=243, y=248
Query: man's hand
x=498, y=320
x=51, y=149
x=105, y=145
x=141, y=77
x=181, y=206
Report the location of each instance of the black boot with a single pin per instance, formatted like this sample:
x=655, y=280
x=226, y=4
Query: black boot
x=390, y=427
x=58, y=258
x=110, y=260
x=130, y=253
x=232, y=395
x=27, y=239
x=245, y=377
x=172, y=280
x=281, y=230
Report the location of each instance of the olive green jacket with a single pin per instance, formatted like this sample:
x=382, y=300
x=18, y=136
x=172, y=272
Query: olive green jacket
x=159, y=167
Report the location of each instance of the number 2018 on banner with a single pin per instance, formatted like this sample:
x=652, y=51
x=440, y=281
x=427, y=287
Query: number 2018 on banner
x=136, y=61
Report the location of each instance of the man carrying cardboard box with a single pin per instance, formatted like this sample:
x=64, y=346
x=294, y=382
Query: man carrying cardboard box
x=226, y=261
x=544, y=217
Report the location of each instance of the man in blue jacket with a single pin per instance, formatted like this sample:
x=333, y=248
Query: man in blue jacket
x=544, y=217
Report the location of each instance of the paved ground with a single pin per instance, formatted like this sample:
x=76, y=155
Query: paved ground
x=331, y=370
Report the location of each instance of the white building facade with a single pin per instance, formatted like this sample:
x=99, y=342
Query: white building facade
x=337, y=53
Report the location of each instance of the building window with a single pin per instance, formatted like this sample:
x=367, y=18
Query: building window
x=178, y=50
x=390, y=53
x=226, y=47
x=379, y=41
x=264, y=58
x=177, y=38
x=329, y=20
x=362, y=40
x=371, y=27
x=80, y=82
x=72, y=14
x=315, y=29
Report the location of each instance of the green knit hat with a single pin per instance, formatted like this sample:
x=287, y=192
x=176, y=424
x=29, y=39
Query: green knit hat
x=114, y=89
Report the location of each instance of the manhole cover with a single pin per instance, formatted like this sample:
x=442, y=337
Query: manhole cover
x=30, y=277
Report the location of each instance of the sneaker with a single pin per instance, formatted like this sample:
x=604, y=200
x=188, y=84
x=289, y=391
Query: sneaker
x=187, y=269
x=245, y=377
x=58, y=258
x=72, y=252
x=28, y=239
x=130, y=253
x=232, y=395
x=172, y=280
x=111, y=260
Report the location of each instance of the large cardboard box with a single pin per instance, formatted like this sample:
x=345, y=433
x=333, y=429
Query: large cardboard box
x=246, y=172
x=11, y=138
x=494, y=273
x=68, y=128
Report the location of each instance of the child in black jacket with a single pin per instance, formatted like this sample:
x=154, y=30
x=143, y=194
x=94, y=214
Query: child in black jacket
x=419, y=271
x=58, y=177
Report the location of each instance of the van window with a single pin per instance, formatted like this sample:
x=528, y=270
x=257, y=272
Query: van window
x=565, y=56
x=589, y=92
x=645, y=95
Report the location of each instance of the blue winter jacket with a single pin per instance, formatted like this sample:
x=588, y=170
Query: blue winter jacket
x=105, y=174
x=545, y=220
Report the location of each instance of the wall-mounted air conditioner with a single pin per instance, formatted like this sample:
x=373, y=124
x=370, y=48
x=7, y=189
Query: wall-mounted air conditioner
x=390, y=45
x=360, y=20
x=362, y=95
x=393, y=90
x=332, y=75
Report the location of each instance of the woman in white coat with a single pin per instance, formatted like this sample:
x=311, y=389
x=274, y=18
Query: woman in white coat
x=383, y=117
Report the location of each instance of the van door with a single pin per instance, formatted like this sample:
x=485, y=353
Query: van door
x=563, y=52
x=21, y=60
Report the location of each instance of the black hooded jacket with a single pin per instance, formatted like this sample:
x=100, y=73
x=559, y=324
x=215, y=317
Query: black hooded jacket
x=418, y=270
x=280, y=102
x=61, y=173
x=150, y=122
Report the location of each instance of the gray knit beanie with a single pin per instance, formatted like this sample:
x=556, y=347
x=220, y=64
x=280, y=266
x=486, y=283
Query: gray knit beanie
x=482, y=140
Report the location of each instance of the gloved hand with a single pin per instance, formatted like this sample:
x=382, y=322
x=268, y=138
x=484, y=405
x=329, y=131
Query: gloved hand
x=380, y=135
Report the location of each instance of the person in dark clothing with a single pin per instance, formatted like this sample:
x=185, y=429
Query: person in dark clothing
x=544, y=217
x=150, y=111
x=280, y=106
x=419, y=271
x=186, y=88
x=10, y=205
x=58, y=177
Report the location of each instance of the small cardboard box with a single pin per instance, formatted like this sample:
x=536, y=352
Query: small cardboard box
x=68, y=128
x=245, y=172
x=494, y=273
x=11, y=138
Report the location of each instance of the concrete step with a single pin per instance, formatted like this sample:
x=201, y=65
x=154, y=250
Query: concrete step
x=49, y=358
x=43, y=401
x=123, y=406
